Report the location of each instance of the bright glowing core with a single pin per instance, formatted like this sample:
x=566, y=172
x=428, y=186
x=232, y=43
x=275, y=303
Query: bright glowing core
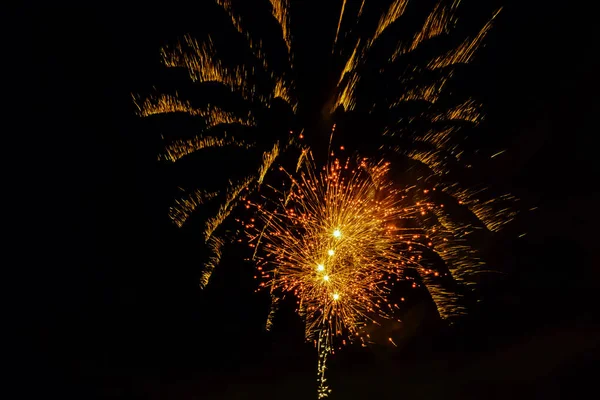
x=330, y=252
x=326, y=278
x=320, y=267
x=336, y=296
x=337, y=233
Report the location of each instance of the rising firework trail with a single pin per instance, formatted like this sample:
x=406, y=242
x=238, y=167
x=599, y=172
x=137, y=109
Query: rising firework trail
x=345, y=229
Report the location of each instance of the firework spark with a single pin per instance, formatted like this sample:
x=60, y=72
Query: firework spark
x=394, y=12
x=337, y=32
x=281, y=14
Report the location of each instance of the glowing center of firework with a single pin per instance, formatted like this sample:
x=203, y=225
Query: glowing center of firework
x=320, y=267
x=337, y=233
x=336, y=296
x=326, y=278
x=330, y=252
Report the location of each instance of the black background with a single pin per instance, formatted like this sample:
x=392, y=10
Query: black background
x=110, y=304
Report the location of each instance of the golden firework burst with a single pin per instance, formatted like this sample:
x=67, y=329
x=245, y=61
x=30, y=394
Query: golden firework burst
x=338, y=241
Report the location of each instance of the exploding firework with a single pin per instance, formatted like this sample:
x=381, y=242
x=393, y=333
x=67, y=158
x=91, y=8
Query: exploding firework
x=341, y=235
x=338, y=242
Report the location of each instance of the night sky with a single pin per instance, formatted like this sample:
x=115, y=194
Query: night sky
x=110, y=306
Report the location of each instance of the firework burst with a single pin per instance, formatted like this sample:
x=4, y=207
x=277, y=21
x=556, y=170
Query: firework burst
x=338, y=241
x=343, y=233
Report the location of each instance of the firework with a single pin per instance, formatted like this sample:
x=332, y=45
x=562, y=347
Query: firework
x=341, y=235
x=338, y=243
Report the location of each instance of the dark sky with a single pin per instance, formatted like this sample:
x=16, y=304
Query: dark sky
x=110, y=304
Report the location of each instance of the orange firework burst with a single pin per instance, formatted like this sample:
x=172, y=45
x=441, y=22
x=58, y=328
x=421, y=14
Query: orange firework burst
x=337, y=242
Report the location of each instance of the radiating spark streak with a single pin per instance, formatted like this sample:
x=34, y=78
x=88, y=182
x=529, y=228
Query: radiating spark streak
x=225, y=209
x=459, y=229
x=439, y=138
x=395, y=11
x=236, y=20
x=283, y=92
x=431, y=158
x=469, y=111
x=448, y=239
x=281, y=14
x=347, y=98
x=465, y=52
x=203, y=65
x=439, y=21
x=498, y=153
x=337, y=32
x=164, y=104
x=448, y=302
x=181, y=148
x=215, y=245
x=301, y=159
x=429, y=92
x=494, y=213
x=268, y=160
x=185, y=207
x=361, y=8
x=462, y=261
x=255, y=46
x=351, y=63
